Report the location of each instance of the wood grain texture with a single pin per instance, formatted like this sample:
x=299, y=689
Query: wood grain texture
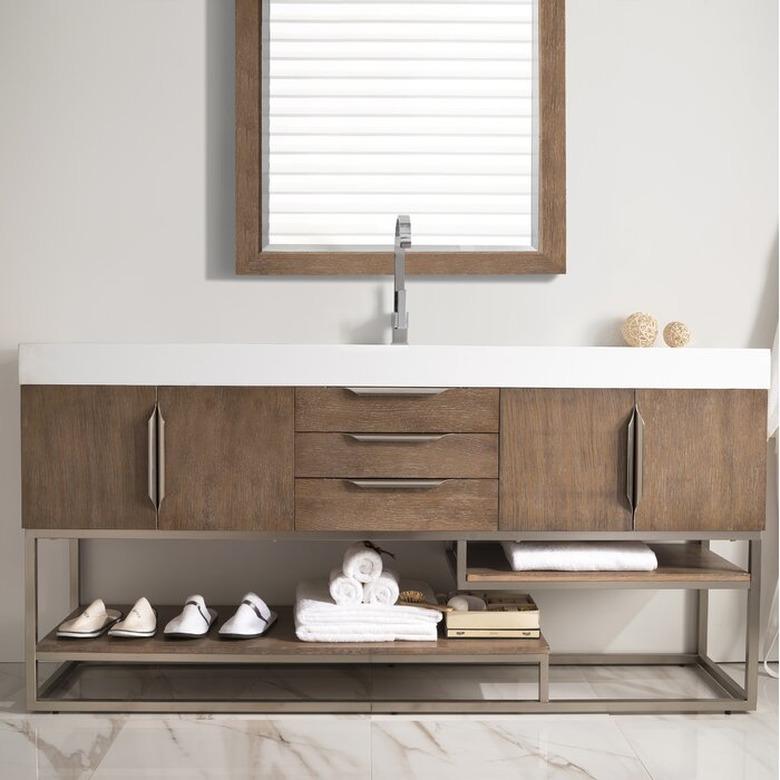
x=563, y=459
x=676, y=563
x=548, y=258
x=336, y=505
x=704, y=460
x=465, y=455
x=85, y=457
x=322, y=409
x=229, y=458
x=248, y=148
x=280, y=642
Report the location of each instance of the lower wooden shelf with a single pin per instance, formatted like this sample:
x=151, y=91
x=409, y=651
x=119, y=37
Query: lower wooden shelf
x=279, y=645
x=679, y=566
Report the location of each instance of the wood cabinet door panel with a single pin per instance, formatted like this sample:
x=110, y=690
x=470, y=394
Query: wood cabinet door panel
x=85, y=457
x=228, y=458
x=563, y=460
x=704, y=460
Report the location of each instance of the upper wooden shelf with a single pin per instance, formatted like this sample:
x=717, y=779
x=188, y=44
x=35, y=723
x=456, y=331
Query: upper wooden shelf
x=685, y=565
x=280, y=645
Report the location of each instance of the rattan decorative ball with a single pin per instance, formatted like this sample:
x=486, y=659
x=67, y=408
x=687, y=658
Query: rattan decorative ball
x=640, y=330
x=676, y=334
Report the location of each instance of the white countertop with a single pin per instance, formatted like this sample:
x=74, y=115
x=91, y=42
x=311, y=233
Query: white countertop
x=343, y=365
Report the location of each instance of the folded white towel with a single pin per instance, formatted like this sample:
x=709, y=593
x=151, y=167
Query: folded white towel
x=365, y=632
x=580, y=556
x=383, y=590
x=314, y=605
x=344, y=589
x=362, y=562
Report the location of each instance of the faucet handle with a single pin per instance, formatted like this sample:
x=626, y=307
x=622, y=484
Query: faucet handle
x=403, y=231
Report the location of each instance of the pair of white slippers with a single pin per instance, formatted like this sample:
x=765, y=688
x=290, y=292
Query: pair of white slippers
x=251, y=620
x=95, y=620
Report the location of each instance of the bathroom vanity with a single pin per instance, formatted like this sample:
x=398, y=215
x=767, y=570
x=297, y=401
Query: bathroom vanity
x=467, y=445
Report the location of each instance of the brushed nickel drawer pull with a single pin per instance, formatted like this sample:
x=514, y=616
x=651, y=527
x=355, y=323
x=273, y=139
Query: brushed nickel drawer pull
x=639, y=465
x=401, y=438
x=151, y=444
x=160, y=458
x=404, y=484
x=630, y=453
x=391, y=391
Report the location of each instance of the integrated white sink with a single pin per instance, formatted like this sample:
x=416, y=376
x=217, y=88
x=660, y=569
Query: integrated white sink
x=391, y=365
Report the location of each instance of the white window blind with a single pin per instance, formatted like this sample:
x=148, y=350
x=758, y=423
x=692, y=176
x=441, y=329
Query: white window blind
x=373, y=109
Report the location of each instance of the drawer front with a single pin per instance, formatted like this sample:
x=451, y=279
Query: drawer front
x=454, y=410
x=464, y=455
x=340, y=505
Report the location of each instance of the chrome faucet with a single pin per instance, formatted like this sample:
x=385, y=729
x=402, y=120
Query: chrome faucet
x=403, y=240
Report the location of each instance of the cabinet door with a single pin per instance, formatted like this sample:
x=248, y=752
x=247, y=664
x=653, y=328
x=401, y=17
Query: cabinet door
x=228, y=458
x=85, y=457
x=563, y=460
x=703, y=460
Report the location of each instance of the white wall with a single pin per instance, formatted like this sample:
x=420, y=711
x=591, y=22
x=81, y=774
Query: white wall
x=116, y=224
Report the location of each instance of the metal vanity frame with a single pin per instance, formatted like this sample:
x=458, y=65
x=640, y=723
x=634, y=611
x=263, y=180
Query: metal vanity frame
x=734, y=698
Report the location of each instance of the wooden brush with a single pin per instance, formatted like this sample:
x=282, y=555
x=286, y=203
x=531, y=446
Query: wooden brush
x=416, y=598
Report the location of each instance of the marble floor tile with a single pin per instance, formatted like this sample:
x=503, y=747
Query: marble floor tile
x=719, y=747
x=671, y=747
x=742, y=746
x=55, y=746
x=11, y=686
x=238, y=747
x=546, y=748
x=645, y=682
x=477, y=682
x=234, y=683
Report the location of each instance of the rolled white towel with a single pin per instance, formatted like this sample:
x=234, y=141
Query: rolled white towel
x=383, y=590
x=362, y=562
x=343, y=589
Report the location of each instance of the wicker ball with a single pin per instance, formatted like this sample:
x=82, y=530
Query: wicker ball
x=640, y=330
x=676, y=334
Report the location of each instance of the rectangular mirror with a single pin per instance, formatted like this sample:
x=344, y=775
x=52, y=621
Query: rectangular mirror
x=350, y=113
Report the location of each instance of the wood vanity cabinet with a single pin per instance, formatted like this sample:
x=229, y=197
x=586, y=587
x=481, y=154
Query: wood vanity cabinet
x=228, y=458
x=333, y=459
x=85, y=457
x=703, y=460
x=563, y=460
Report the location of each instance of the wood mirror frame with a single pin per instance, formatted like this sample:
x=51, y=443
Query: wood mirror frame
x=548, y=258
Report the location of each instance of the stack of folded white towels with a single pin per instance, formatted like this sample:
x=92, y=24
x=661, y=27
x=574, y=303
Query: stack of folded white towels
x=358, y=604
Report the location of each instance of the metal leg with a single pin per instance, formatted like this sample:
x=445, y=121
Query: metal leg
x=31, y=616
x=544, y=678
x=702, y=613
x=74, y=553
x=753, y=623
x=462, y=563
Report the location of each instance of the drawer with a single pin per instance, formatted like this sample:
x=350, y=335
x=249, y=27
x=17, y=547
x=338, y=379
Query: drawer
x=456, y=410
x=465, y=455
x=445, y=505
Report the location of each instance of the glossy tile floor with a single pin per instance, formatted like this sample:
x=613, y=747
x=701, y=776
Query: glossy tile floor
x=670, y=747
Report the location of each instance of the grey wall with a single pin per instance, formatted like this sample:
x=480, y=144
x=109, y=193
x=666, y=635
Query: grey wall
x=116, y=224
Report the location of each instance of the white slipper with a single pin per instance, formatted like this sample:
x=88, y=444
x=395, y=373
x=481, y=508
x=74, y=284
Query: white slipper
x=141, y=621
x=251, y=619
x=93, y=621
x=193, y=621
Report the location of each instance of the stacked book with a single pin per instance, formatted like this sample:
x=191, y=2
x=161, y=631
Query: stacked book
x=508, y=616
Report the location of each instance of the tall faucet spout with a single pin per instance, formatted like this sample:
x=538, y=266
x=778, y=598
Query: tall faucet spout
x=403, y=240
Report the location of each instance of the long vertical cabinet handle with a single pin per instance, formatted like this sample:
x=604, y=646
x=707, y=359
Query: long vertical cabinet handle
x=160, y=457
x=151, y=443
x=630, y=458
x=639, y=459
